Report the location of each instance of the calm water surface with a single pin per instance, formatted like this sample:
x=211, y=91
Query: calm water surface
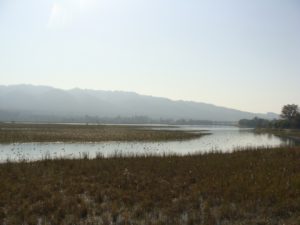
x=225, y=139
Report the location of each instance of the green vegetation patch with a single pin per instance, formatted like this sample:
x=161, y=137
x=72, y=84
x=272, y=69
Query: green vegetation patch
x=245, y=187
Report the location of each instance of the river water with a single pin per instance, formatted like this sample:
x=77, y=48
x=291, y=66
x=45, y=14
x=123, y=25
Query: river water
x=221, y=138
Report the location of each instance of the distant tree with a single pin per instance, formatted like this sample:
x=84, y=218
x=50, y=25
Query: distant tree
x=255, y=123
x=297, y=120
x=290, y=119
x=289, y=112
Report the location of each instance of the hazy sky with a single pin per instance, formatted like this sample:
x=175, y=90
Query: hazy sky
x=236, y=53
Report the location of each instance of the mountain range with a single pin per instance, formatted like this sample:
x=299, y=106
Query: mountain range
x=42, y=103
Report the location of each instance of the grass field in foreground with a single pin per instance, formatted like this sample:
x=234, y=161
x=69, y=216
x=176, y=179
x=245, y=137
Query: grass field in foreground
x=10, y=133
x=244, y=187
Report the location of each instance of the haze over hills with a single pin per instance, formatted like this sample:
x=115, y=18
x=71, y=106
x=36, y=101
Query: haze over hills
x=42, y=103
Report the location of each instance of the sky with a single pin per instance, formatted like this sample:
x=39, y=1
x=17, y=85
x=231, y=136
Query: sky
x=236, y=53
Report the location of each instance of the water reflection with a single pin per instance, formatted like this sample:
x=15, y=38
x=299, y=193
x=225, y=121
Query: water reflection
x=225, y=139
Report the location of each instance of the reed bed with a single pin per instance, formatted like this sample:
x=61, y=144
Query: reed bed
x=13, y=133
x=244, y=187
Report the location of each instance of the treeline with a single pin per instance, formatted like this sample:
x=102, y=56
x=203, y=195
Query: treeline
x=147, y=120
x=289, y=119
x=9, y=116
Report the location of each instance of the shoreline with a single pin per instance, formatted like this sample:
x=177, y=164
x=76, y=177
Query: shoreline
x=293, y=134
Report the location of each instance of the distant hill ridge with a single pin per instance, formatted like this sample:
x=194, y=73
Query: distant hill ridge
x=28, y=102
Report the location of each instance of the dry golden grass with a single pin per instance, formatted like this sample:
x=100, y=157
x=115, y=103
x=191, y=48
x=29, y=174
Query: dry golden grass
x=245, y=187
x=10, y=133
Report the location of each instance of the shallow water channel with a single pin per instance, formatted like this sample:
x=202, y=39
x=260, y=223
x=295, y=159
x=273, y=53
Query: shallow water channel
x=221, y=138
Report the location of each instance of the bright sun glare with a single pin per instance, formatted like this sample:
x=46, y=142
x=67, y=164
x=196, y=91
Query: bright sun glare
x=63, y=13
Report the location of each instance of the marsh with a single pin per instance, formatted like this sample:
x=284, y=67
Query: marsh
x=37, y=141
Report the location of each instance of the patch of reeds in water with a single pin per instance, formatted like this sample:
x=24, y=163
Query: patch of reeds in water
x=16, y=133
